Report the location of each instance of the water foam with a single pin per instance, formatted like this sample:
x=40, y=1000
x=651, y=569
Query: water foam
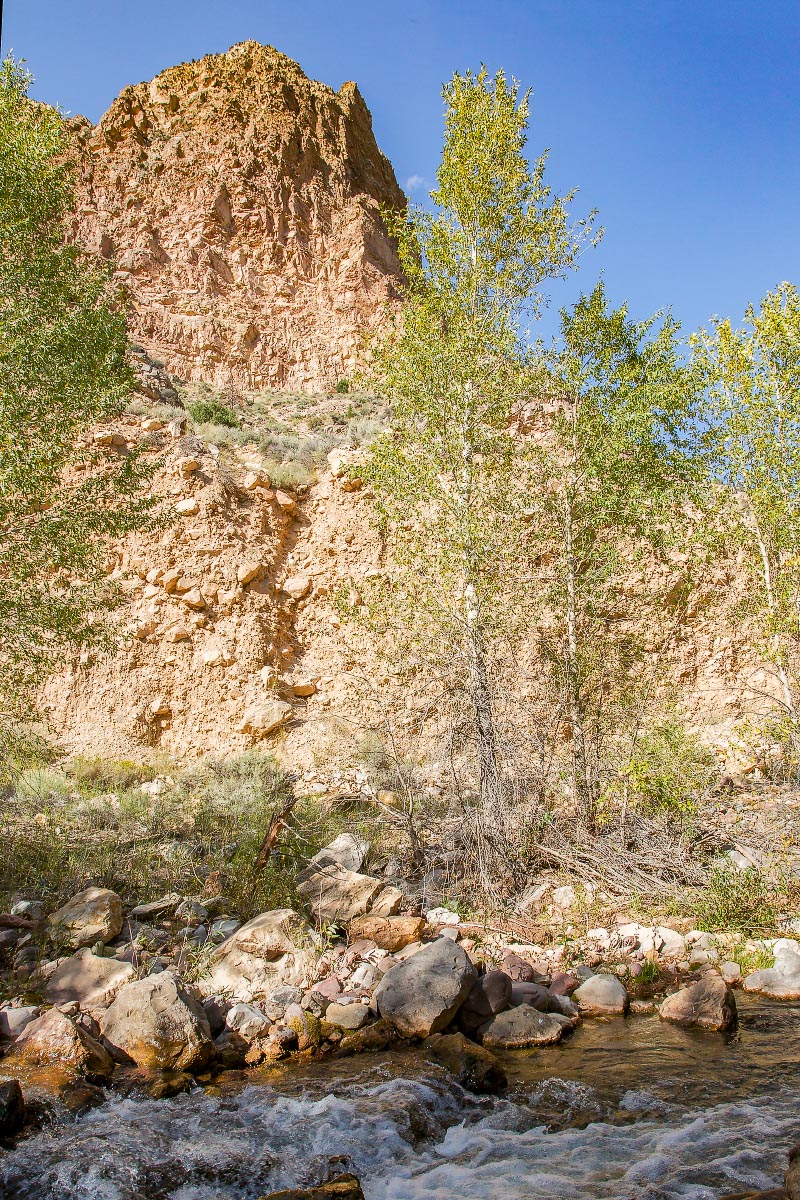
x=407, y=1139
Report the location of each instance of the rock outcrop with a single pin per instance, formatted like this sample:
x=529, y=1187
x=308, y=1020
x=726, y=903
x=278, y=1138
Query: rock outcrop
x=240, y=202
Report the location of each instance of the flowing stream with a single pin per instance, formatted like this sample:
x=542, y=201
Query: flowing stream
x=632, y=1109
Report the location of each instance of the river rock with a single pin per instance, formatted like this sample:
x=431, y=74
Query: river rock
x=276, y=1004
x=14, y=1020
x=347, y=1016
x=12, y=1108
x=422, y=995
x=519, y=970
x=343, y=1187
x=389, y=933
x=601, y=995
x=388, y=902
x=473, y=1066
x=708, y=1003
x=159, y=1024
x=781, y=981
x=53, y=1039
x=534, y=994
x=490, y=994
x=163, y=907
x=518, y=1028
x=335, y=894
x=566, y=1007
x=93, y=915
x=792, y=1177
x=87, y=980
x=248, y=1021
x=261, y=955
x=731, y=972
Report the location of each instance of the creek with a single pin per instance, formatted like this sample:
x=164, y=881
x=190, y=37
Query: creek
x=625, y=1109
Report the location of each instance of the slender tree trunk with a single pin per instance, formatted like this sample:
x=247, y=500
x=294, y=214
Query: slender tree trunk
x=491, y=787
x=766, y=571
x=581, y=782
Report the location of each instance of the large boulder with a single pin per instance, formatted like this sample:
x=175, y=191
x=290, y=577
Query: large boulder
x=260, y=956
x=521, y=1027
x=54, y=1040
x=474, y=1067
x=781, y=981
x=422, y=995
x=88, y=980
x=159, y=1024
x=335, y=894
x=601, y=995
x=708, y=1003
x=93, y=915
x=389, y=933
x=490, y=994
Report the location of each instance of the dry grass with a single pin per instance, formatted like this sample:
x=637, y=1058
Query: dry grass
x=65, y=828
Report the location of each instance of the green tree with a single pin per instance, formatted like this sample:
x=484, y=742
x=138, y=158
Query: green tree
x=62, y=367
x=604, y=483
x=475, y=264
x=751, y=445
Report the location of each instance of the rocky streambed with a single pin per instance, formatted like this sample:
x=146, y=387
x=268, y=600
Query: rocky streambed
x=627, y=1109
x=423, y=1055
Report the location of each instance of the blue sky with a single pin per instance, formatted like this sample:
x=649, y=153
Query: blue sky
x=678, y=119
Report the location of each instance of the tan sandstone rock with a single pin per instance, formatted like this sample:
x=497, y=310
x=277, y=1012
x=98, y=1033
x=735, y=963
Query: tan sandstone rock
x=55, y=1039
x=272, y=949
x=93, y=915
x=247, y=233
x=389, y=933
x=87, y=980
x=159, y=1024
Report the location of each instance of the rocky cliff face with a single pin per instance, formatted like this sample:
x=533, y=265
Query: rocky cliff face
x=240, y=201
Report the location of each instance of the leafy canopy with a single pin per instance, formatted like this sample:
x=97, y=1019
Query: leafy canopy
x=475, y=262
x=62, y=367
x=751, y=444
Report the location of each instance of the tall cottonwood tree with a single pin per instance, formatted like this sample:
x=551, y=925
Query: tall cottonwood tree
x=603, y=484
x=62, y=367
x=751, y=444
x=475, y=264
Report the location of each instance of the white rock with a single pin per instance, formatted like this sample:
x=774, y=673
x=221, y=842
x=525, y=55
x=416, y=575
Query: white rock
x=248, y=1021
x=14, y=1020
x=564, y=897
x=442, y=916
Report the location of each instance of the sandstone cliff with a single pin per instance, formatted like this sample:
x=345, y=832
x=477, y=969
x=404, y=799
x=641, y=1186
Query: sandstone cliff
x=240, y=201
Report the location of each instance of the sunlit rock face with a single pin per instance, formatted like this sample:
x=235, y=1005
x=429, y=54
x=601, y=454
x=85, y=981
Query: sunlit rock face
x=240, y=202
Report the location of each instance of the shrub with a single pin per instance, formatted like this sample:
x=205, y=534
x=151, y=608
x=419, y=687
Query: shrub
x=738, y=901
x=212, y=412
x=58, y=839
x=670, y=768
x=343, y=387
x=109, y=774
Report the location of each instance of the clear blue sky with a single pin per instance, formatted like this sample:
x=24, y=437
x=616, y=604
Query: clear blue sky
x=678, y=119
